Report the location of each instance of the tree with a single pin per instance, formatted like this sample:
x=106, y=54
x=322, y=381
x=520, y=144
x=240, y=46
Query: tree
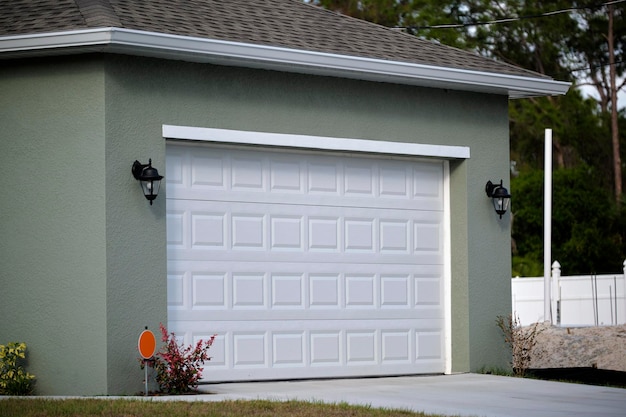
x=383, y=12
x=586, y=226
x=578, y=133
x=563, y=39
x=599, y=56
x=524, y=37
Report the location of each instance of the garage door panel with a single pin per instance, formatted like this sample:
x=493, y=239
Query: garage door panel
x=247, y=352
x=318, y=256
x=235, y=315
x=250, y=176
x=219, y=226
x=306, y=265
x=191, y=330
x=180, y=266
x=293, y=290
x=422, y=203
x=330, y=370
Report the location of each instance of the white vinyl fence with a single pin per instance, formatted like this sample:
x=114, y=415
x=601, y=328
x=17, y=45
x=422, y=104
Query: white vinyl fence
x=583, y=300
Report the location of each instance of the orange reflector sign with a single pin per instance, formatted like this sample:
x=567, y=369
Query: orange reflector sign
x=147, y=344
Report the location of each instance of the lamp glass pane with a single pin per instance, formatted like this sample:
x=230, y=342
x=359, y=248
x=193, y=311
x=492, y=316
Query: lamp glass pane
x=150, y=188
x=501, y=204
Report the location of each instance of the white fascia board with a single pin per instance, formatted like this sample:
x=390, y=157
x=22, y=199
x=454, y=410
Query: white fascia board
x=55, y=40
x=284, y=59
x=283, y=140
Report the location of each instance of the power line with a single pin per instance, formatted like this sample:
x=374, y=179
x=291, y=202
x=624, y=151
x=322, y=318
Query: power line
x=511, y=19
x=588, y=68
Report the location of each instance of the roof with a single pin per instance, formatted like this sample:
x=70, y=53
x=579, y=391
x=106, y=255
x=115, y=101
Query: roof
x=306, y=38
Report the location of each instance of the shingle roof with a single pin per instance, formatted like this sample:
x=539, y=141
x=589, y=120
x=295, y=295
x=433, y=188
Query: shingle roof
x=290, y=24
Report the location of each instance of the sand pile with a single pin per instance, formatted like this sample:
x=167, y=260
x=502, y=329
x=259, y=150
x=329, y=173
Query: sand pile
x=569, y=347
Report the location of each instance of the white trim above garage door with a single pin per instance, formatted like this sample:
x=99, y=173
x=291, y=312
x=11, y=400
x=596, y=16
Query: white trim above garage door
x=308, y=264
x=241, y=137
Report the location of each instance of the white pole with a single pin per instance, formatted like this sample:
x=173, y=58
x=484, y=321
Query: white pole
x=547, y=227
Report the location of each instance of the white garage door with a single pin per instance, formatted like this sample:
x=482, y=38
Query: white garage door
x=306, y=265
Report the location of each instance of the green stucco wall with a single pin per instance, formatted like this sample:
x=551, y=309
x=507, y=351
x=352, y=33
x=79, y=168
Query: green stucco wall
x=82, y=254
x=136, y=238
x=119, y=239
x=167, y=92
x=52, y=222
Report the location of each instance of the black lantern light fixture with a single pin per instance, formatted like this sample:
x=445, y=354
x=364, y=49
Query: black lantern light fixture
x=149, y=179
x=500, y=197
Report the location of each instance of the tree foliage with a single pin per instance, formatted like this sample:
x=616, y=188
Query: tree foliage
x=569, y=41
x=592, y=62
x=388, y=13
x=536, y=43
x=587, y=228
x=579, y=135
x=600, y=50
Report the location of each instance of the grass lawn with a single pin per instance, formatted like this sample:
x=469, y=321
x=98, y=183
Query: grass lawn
x=37, y=407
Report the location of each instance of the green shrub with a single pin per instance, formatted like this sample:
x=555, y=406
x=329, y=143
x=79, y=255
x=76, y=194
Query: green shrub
x=526, y=266
x=14, y=380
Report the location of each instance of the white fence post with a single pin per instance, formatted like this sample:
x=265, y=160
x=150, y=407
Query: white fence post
x=556, y=292
x=624, y=296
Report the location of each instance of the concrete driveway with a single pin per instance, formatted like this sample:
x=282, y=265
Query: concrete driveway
x=451, y=395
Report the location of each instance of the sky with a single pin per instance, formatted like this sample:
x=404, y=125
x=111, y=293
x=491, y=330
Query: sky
x=592, y=92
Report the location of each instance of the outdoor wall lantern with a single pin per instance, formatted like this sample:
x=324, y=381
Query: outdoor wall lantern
x=500, y=197
x=149, y=179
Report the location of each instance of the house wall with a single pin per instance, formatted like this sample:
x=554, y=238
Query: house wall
x=88, y=260
x=83, y=271
x=136, y=284
x=52, y=221
x=168, y=92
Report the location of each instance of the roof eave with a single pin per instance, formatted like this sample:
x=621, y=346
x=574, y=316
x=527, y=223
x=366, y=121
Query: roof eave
x=160, y=45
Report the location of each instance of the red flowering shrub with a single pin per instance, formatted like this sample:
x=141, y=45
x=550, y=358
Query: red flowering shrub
x=179, y=368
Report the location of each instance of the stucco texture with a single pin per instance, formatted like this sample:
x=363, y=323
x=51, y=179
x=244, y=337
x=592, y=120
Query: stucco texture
x=83, y=262
x=52, y=222
x=119, y=239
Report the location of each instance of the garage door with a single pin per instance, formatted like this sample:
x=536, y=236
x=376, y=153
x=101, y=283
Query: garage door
x=306, y=265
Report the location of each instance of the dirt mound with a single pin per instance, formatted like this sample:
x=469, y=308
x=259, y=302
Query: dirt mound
x=580, y=347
